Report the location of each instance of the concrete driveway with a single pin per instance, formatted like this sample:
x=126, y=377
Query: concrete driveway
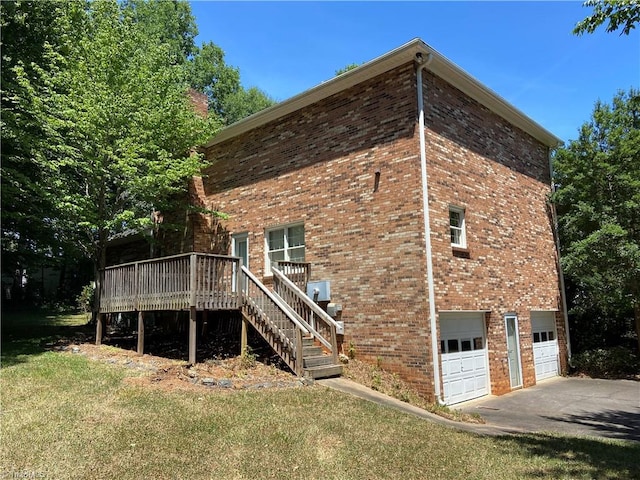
x=574, y=406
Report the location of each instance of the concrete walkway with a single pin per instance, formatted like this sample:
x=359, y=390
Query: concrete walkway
x=352, y=388
x=572, y=406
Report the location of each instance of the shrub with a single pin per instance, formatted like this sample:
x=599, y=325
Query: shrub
x=607, y=363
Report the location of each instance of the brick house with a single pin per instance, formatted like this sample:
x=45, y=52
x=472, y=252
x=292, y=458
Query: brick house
x=421, y=196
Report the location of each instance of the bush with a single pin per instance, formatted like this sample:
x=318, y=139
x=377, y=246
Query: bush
x=614, y=362
x=85, y=299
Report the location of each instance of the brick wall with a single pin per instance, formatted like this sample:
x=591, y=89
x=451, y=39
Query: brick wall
x=500, y=176
x=318, y=166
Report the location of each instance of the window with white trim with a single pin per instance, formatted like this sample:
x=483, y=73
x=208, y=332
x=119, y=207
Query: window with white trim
x=457, y=227
x=284, y=243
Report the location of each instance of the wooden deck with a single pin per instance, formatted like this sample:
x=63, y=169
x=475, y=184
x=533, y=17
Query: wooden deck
x=195, y=280
x=286, y=318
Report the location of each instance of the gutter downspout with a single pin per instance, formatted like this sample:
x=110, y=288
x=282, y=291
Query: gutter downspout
x=427, y=228
x=563, y=294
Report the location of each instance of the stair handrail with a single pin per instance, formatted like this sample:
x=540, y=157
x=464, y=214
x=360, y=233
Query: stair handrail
x=315, y=308
x=277, y=300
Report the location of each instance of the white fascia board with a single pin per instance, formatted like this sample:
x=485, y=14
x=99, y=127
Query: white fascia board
x=440, y=66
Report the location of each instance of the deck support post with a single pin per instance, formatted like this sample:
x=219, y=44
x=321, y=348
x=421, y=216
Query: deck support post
x=205, y=323
x=243, y=337
x=140, y=333
x=192, y=335
x=99, y=328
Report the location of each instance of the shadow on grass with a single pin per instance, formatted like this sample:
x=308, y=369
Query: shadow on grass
x=29, y=333
x=577, y=457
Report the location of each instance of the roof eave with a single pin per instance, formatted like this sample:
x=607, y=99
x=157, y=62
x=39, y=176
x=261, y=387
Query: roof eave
x=439, y=65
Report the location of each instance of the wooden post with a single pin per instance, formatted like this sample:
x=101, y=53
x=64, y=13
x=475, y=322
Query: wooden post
x=140, y=333
x=243, y=337
x=205, y=323
x=299, y=353
x=192, y=335
x=334, y=344
x=99, y=328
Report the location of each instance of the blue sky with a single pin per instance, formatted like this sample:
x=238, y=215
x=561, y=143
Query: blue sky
x=524, y=51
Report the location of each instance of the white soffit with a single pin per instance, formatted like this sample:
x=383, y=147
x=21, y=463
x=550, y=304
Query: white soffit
x=439, y=65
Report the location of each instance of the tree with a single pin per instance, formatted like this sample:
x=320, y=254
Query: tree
x=623, y=14
x=97, y=125
x=598, y=200
x=347, y=68
x=35, y=38
x=221, y=83
x=130, y=127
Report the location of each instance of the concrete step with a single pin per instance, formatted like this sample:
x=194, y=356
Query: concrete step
x=324, y=371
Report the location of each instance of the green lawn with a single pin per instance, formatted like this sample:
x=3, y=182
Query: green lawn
x=66, y=416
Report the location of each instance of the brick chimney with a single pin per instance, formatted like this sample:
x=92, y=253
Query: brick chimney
x=200, y=102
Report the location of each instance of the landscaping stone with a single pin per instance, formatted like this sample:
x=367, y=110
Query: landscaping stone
x=225, y=383
x=209, y=382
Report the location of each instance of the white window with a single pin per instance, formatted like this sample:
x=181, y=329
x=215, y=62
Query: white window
x=284, y=243
x=457, y=227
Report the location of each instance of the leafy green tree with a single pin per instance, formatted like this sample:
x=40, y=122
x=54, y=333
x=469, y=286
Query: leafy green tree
x=129, y=127
x=244, y=102
x=623, y=14
x=345, y=69
x=598, y=199
x=221, y=83
x=36, y=36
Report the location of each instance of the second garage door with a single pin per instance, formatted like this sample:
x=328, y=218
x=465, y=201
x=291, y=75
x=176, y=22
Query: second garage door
x=464, y=356
x=545, y=344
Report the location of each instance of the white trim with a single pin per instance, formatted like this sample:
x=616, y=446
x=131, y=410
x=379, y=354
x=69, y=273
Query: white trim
x=440, y=66
x=518, y=352
x=462, y=229
x=285, y=249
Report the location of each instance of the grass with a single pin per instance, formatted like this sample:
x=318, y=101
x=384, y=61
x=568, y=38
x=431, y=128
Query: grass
x=66, y=416
x=376, y=378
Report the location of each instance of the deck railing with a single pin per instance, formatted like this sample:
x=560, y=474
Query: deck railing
x=298, y=272
x=193, y=280
x=315, y=319
x=275, y=321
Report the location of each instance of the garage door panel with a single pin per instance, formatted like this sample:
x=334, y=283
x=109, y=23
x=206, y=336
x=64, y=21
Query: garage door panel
x=545, y=344
x=464, y=373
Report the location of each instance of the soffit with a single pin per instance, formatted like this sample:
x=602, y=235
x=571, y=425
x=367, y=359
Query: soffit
x=439, y=65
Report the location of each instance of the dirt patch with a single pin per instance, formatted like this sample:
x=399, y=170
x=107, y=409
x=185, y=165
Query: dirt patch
x=225, y=374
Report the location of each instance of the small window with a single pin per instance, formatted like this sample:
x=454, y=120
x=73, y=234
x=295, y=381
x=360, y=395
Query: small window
x=551, y=336
x=478, y=343
x=286, y=244
x=442, y=348
x=536, y=337
x=543, y=336
x=452, y=346
x=457, y=227
x=466, y=345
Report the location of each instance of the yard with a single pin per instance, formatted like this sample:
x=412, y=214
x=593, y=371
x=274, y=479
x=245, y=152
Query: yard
x=66, y=414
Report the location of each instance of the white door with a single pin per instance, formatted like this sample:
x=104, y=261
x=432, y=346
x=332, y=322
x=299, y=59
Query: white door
x=513, y=350
x=240, y=248
x=463, y=348
x=545, y=344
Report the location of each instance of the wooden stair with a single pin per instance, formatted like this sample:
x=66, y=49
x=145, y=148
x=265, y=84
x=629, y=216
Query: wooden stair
x=316, y=363
x=306, y=351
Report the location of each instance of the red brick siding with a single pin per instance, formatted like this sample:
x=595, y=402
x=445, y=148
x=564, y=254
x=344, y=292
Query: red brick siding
x=500, y=176
x=318, y=165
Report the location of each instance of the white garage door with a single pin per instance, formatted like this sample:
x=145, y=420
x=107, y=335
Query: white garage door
x=545, y=344
x=464, y=356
